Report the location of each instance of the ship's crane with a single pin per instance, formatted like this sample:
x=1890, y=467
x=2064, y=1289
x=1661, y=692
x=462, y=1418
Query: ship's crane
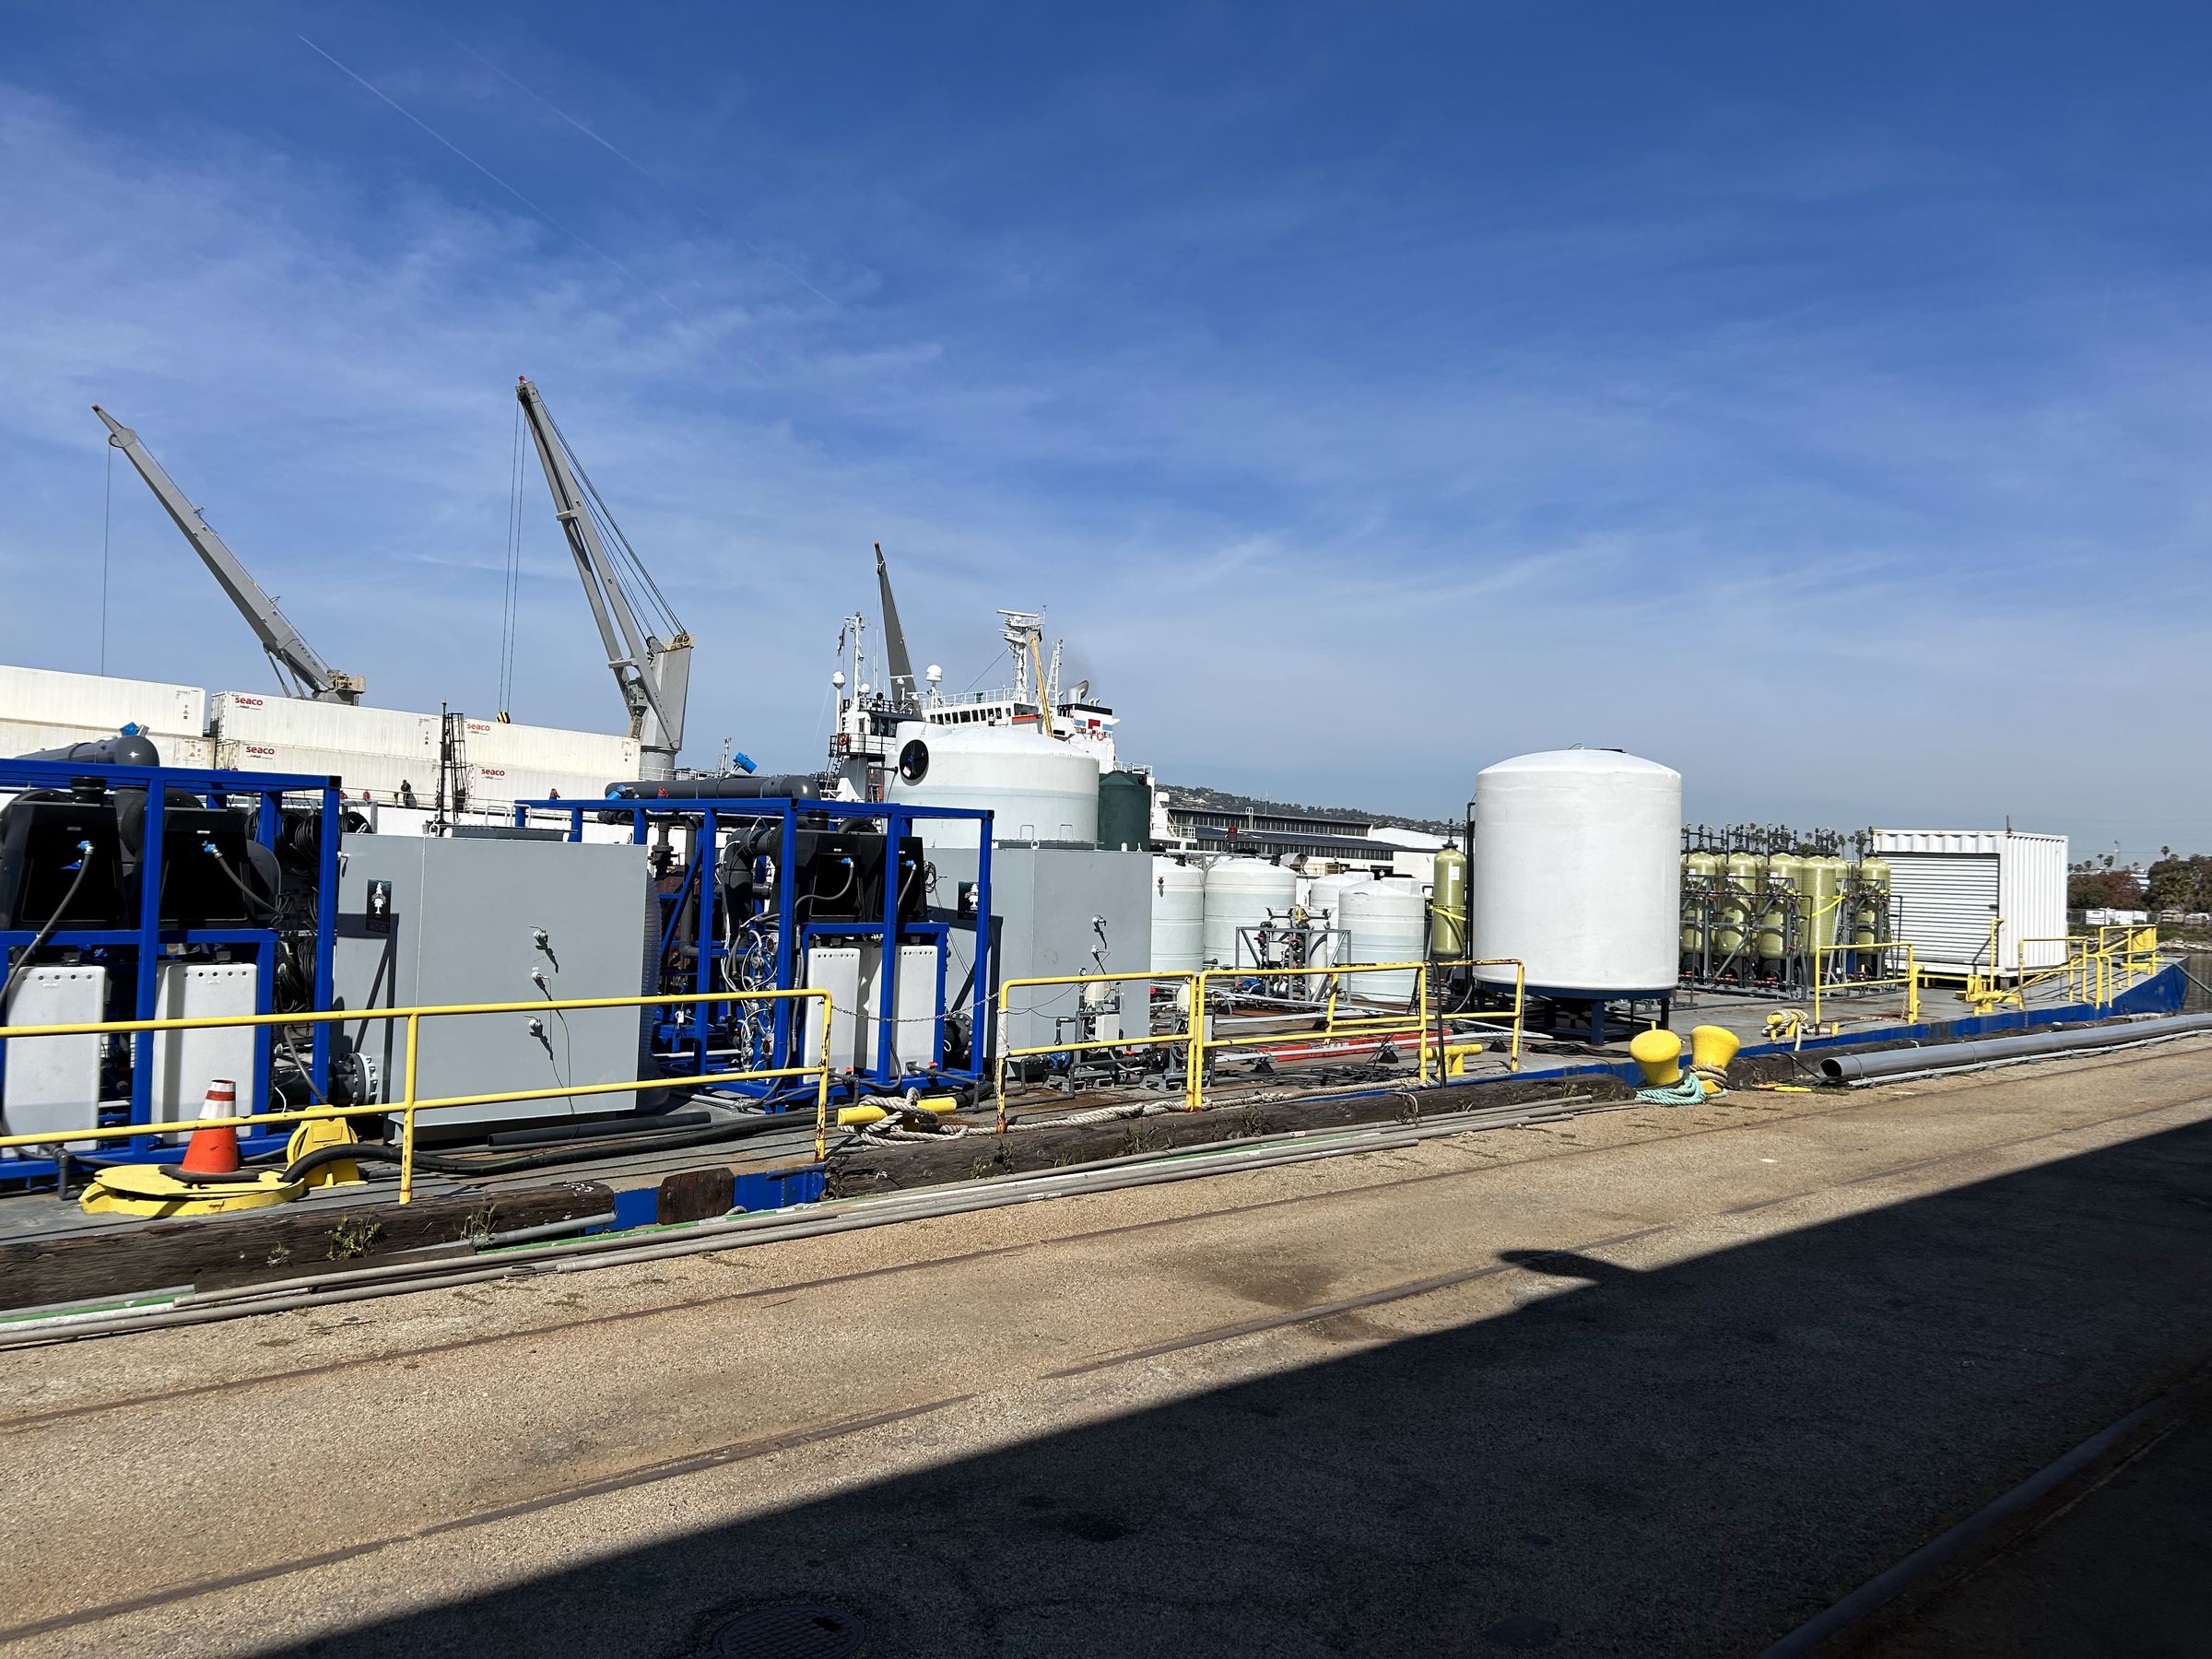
x=903, y=692
x=652, y=668
x=295, y=659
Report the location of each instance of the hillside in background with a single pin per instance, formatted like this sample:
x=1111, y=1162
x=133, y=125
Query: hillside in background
x=1223, y=800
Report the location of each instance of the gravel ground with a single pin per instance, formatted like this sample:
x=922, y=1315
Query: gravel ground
x=1648, y=1383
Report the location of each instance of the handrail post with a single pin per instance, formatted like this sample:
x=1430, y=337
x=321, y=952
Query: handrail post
x=821, y=1080
x=1193, y=1097
x=406, y=1118
x=1420, y=992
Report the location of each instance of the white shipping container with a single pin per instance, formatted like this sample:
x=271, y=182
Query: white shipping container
x=550, y=749
x=23, y=738
x=1949, y=885
x=380, y=775
x=510, y=783
x=50, y=697
x=336, y=728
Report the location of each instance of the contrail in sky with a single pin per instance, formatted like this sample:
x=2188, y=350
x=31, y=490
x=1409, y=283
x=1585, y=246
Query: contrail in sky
x=634, y=165
x=581, y=240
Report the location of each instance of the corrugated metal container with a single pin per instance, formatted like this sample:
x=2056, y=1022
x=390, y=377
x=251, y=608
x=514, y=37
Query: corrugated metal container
x=1949, y=884
x=23, y=737
x=333, y=728
x=100, y=702
x=608, y=759
x=532, y=784
x=380, y=775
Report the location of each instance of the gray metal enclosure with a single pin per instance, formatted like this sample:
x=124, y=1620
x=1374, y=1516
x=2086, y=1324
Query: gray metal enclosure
x=423, y=921
x=1054, y=908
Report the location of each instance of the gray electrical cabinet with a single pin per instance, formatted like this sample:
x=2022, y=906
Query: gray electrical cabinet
x=1056, y=910
x=425, y=921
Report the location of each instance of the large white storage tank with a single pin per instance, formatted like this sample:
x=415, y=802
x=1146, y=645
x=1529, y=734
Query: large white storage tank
x=1578, y=872
x=1385, y=920
x=1177, y=917
x=1947, y=887
x=1041, y=789
x=1242, y=893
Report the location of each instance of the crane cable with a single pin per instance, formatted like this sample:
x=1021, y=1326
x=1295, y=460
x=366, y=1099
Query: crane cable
x=511, y=597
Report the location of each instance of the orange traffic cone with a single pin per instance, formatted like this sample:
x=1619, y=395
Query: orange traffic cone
x=214, y=1151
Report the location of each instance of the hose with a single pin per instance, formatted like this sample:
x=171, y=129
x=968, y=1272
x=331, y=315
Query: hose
x=84, y=864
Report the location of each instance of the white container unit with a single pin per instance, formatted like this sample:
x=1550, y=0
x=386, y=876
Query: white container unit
x=1947, y=887
x=371, y=777
x=1385, y=920
x=29, y=737
x=1324, y=898
x=1040, y=789
x=1578, y=872
x=49, y=696
x=268, y=720
x=44, y=707
x=551, y=751
x=1241, y=893
x=1177, y=917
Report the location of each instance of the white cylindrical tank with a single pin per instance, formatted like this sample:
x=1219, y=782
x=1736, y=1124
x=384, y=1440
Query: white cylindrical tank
x=1041, y=789
x=1386, y=920
x=1578, y=871
x=1323, y=898
x=1177, y=917
x=1240, y=893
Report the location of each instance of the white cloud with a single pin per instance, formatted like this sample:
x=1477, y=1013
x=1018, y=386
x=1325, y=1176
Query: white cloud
x=1819, y=575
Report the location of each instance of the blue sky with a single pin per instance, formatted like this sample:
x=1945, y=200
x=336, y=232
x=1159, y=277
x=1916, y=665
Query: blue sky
x=1811, y=400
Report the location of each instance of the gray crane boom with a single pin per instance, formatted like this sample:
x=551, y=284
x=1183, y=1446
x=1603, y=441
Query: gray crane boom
x=287, y=648
x=653, y=673
x=904, y=691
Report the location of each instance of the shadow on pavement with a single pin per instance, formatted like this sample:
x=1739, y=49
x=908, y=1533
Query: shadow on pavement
x=1687, y=1461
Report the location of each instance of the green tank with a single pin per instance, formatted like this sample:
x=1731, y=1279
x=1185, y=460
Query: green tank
x=1822, y=886
x=1785, y=892
x=1870, y=906
x=1125, y=812
x=1448, y=905
x=1731, y=916
x=1698, y=873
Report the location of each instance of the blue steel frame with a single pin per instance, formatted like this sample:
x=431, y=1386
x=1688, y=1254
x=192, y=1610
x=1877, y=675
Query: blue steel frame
x=791, y=936
x=149, y=942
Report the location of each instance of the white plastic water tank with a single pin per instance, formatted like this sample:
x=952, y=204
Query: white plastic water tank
x=1040, y=788
x=1177, y=917
x=1323, y=898
x=1240, y=893
x=1386, y=920
x=1578, y=871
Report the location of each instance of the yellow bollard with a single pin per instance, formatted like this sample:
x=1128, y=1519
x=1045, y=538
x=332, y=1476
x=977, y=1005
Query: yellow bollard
x=1711, y=1049
x=1660, y=1054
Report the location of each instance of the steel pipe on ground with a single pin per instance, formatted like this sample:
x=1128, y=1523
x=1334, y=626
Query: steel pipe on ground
x=1996, y=1051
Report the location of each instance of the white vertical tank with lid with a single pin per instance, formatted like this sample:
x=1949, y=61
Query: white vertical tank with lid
x=1578, y=873
x=1388, y=921
x=1324, y=901
x=1041, y=789
x=1241, y=893
x=1177, y=917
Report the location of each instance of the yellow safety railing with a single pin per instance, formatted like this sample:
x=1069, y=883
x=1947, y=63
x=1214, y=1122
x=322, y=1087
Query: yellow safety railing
x=406, y=1108
x=1414, y=1020
x=1194, y=1006
x=1909, y=980
x=2096, y=970
x=1425, y=1022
